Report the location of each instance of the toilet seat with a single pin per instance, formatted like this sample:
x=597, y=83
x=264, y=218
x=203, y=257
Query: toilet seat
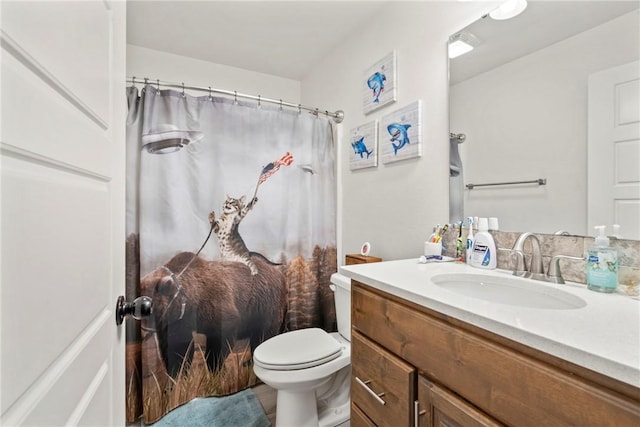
x=300, y=349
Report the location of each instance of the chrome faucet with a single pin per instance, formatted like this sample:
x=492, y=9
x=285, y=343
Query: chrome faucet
x=536, y=270
x=536, y=253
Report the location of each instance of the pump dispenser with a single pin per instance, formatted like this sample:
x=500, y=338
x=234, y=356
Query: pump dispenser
x=602, y=264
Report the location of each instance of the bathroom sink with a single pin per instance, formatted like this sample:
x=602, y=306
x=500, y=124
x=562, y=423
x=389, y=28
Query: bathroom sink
x=509, y=291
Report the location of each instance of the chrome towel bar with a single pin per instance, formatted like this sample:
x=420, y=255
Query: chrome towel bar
x=539, y=181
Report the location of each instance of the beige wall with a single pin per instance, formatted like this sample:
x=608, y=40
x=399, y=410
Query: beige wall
x=395, y=206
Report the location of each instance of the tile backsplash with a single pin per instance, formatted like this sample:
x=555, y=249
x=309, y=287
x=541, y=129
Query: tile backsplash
x=551, y=245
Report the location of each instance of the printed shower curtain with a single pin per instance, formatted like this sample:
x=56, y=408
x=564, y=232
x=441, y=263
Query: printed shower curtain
x=261, y=181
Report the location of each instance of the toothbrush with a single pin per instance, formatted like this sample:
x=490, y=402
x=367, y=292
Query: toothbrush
x=442, y=231
x=459, y=243
x=470, y=240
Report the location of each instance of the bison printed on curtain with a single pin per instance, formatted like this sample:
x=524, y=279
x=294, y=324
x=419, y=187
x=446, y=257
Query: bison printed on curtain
x=209, y=315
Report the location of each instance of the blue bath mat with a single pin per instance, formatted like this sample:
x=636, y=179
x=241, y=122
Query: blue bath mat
x=239, y=409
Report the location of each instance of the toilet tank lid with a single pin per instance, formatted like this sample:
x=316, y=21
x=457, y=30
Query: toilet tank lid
x=342, y=281
x=297, y=348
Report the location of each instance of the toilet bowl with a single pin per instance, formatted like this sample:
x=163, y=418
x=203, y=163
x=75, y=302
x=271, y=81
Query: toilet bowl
x=310, y=368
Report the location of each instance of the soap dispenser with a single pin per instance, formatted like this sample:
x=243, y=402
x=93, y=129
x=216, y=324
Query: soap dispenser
x=602, y=264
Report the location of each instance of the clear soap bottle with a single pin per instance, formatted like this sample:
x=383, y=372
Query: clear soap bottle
x=602, y=264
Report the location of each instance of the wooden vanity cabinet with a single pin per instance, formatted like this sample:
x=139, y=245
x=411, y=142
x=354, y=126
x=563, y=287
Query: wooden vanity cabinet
x=461, y=375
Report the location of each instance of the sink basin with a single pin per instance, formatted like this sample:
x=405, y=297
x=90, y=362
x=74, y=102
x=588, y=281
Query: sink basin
x=509, y=291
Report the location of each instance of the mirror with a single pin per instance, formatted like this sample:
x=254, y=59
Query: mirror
x=521, y=99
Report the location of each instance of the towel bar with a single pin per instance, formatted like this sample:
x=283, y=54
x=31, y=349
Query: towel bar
x=539, y=181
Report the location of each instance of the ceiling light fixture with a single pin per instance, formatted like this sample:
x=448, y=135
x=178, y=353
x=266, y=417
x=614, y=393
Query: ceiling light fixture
x=508, y=9
x=461, y=43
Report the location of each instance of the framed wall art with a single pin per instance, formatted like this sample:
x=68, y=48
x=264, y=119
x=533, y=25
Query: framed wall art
x=363, y=142
x=401, y=133
x=379, y=85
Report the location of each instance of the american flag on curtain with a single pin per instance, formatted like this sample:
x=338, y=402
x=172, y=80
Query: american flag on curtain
x=273, y=167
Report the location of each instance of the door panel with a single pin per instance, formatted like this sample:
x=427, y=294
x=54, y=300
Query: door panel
x=614, y=149
x=62, y=154
x=77, y=58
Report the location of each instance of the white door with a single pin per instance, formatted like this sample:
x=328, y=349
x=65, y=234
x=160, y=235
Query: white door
x=62, y=154
x=614, y=150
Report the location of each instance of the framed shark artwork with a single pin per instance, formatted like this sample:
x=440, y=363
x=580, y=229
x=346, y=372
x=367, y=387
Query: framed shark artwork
x=363, y=142
x=379, y=86
x=401, y=133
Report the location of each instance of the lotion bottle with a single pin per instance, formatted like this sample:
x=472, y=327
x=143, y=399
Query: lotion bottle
x=483, y=254
x=602, y=264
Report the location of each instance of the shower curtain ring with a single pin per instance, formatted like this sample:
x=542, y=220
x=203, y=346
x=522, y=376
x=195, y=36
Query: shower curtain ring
x=183, y=94
x=299, y=109
x=280, y=104
x=210, y=97
x=133, y=81
x=235, y=97
x=158, y=82
x=259, y=105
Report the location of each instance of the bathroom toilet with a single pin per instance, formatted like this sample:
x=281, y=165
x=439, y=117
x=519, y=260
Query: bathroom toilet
x=310, y=368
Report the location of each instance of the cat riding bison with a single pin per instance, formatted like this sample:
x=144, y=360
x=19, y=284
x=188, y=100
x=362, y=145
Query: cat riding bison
x=241, y=296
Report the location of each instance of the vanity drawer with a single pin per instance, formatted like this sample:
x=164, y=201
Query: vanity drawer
x=490, y=372
x=382, y=385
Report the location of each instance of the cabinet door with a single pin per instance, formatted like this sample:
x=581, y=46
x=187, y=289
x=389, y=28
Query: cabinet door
x=382, y=384
x=438, y=407
x=358, y=418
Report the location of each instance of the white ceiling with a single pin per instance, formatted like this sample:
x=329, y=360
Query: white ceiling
x=287, y=38
x=282, y=38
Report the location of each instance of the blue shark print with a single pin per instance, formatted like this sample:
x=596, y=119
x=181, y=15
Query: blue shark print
x=376, y=84
x=398, y=134
x=359, y=147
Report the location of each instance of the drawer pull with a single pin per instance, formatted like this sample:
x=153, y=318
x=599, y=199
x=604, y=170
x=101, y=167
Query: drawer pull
x=417, y=412
x=365, y=384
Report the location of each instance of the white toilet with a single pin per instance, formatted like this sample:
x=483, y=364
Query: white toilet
x=311, y=368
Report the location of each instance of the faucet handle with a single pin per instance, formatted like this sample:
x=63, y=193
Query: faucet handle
x=554, y=275
x=520, y=265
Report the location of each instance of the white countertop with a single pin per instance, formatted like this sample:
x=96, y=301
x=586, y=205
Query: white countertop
x=603, y=336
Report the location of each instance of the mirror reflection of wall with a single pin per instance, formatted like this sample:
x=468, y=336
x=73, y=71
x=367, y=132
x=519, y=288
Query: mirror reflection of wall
x=525, y=116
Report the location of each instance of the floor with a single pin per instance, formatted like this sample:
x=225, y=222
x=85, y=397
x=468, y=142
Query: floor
x=267, y=397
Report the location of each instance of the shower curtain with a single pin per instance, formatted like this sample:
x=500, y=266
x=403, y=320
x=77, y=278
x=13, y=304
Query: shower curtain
x=260, y=181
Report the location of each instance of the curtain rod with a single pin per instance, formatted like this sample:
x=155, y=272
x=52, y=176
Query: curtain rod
x=337, y=116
